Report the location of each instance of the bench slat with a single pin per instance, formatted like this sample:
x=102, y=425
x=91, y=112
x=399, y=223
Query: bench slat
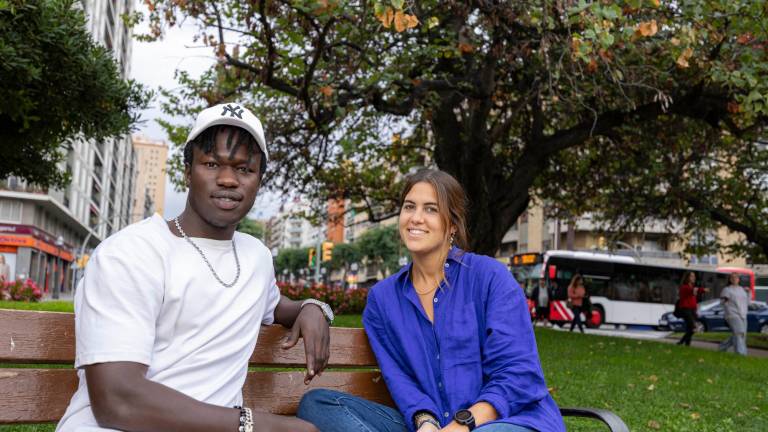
x=49, y=337
x=42, y=395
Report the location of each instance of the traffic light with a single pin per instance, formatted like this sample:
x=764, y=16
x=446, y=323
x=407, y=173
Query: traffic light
x=311, y=261
x=327, y=251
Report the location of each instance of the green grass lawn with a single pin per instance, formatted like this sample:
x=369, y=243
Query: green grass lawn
x=754, y=340
x=652, y=386
x=50, y=306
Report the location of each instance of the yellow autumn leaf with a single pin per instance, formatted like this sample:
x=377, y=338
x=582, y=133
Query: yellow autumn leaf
x=326, y=90
x=695, y=415
x=433, y=22
x=653, y=424
x=656, y=3
x=400, y=21
x=466, y=47
x=651, y=387
x=411, y=21
x=386, y=17
x=647, y=28
x=653, y=378
x=682, y=61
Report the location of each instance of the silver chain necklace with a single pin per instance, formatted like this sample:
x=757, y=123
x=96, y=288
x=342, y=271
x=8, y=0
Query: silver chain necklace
x=210, y=267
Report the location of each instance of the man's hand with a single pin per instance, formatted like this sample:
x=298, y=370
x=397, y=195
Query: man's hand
x=313, y=327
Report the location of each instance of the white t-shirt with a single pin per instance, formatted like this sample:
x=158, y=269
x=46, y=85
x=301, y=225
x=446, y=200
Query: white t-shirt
x=738, y=301
x=148, y=297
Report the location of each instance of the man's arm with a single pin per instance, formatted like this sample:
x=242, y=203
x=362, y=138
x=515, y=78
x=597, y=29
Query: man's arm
x=123, y=398
x=310, y=323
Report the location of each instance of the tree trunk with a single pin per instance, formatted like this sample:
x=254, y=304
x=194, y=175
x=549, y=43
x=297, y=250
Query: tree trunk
x=495, y=201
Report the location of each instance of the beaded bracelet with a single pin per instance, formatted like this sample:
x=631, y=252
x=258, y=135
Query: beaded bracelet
x=246, y=419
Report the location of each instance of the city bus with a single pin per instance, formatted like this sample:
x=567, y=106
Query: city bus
x=622, y=289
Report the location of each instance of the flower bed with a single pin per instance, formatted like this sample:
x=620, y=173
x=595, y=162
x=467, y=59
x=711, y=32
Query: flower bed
x=19, y=290
x=341, y=301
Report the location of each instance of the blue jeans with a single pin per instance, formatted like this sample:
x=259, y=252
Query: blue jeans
x=332, y=411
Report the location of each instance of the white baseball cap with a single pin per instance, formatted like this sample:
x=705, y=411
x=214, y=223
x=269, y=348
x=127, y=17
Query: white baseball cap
x=230, y=114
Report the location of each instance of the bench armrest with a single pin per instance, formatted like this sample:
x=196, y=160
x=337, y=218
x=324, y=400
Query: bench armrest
x=614, y=422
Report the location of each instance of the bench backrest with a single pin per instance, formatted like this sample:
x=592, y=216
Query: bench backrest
x=42, y=392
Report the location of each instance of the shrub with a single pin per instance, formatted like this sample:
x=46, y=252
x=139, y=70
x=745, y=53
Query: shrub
x=341, y=301
x=20, y=290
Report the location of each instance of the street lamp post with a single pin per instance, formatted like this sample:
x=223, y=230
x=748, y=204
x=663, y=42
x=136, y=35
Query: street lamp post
x=58, y=275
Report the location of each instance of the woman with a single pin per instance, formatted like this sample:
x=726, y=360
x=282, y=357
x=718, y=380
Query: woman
x=688, y=305
x=451, y=333
x=576, y=294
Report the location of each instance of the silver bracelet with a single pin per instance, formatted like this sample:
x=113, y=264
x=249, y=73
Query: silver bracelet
x=324, y=307
x=425, y=417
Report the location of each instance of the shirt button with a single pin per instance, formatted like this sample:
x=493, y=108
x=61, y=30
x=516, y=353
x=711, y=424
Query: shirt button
x=438, y=356
x=447, y=265
x=445, y=414
x=435, y=300
x=440, y=384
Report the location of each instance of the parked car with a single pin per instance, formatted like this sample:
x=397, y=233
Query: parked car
x=711, y=318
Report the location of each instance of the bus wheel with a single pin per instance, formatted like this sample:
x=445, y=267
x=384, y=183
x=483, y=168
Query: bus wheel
x=597, y=319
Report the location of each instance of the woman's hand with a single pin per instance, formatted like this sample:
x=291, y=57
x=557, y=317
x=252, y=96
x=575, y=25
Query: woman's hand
x=454, y=427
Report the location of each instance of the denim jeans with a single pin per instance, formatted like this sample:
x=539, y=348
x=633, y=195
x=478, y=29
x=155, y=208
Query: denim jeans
x=332, y=411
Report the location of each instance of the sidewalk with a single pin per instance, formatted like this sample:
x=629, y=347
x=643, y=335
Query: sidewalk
x=713, y=346
x=660, y=336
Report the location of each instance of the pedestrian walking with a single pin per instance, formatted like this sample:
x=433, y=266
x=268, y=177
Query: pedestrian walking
x=576, y=293
x=735, y=300
x=540, y=296
x=687, y=305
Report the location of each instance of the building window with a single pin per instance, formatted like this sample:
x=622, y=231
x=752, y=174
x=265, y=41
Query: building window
x=10, y=211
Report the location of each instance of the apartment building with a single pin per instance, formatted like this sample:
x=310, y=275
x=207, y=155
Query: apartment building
x=42, y=230
x=149, y=190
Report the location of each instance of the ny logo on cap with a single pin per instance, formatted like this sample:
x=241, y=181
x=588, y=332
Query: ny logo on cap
x=234, y=111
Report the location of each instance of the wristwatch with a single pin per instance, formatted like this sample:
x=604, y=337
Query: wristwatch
x=464, y=417
x=327, y=311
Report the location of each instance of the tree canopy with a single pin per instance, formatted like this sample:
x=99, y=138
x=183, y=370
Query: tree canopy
x=499, y=94
x=252, y=227
x=57, y=85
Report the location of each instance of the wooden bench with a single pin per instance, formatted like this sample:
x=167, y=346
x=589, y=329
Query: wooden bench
x=41, y=394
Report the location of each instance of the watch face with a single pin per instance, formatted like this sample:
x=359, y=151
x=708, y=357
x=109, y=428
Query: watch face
x=463, y=416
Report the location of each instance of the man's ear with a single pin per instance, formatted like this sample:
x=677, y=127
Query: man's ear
x=187, y=174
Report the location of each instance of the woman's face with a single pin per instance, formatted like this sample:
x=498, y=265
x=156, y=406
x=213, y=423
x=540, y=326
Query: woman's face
x=421, y=226
x=734, y=279
x=691, y=278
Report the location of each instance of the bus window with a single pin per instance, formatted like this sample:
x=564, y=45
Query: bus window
x=664, y=286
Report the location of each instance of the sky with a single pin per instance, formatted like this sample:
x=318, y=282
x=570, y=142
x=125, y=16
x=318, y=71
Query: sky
x=154, y=64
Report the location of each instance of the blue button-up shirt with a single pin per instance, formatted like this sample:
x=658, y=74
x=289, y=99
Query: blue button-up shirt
x=480, y=347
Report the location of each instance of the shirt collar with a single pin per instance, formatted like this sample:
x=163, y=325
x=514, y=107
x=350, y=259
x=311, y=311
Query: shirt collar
x=455, y=255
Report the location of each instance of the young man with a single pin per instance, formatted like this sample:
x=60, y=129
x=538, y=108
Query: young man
x=735, y=300
x=168, y=312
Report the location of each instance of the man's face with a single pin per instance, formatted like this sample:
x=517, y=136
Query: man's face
x=222, y=187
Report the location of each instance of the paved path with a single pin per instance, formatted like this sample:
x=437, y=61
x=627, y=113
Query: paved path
x=661, y=336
